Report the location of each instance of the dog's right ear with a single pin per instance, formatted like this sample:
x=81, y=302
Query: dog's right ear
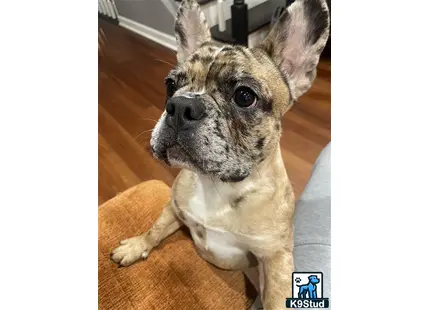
x=191, y=29
x=296, y=42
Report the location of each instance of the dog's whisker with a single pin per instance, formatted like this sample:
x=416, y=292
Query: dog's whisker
x=148, y=119
x=143, y=139
x=143, y=143
x=164, y=61
x=143, y=132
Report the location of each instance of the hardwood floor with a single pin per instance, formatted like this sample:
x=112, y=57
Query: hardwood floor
x=131, y=99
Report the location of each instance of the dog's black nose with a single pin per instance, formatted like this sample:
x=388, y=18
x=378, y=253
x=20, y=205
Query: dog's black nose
x=184, y=112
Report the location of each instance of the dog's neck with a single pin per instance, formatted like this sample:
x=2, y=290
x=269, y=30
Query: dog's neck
x=264, y=176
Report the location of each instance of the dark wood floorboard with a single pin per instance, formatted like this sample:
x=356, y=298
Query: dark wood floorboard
x=131, y=99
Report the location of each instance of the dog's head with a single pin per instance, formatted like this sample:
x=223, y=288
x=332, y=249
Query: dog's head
x=314, y=279
x=224, y=103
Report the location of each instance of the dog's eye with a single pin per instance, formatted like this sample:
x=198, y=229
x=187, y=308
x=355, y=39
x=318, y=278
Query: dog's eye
x=244, y=97
x=170, y=87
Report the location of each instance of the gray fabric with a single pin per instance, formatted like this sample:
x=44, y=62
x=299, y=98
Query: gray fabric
x=312, y=222
x=312, y=225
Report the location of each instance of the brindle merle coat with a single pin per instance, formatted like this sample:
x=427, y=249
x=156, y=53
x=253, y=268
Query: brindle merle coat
x=222, y=125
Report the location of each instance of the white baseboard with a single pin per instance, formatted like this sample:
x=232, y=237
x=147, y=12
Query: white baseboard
x=152, y=34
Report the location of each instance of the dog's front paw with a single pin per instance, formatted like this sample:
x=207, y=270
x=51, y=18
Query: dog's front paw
x=131, y=250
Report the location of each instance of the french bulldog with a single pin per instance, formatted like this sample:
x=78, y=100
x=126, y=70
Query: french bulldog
x=222, y=126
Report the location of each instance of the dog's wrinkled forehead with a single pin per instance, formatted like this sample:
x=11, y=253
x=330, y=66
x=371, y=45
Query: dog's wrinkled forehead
x=211, y=64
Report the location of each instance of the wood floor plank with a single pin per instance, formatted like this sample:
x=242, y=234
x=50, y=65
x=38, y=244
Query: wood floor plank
x=113, y=169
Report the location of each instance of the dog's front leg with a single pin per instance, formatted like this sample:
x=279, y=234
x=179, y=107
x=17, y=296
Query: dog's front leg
x=138, y=247
x=277, y=286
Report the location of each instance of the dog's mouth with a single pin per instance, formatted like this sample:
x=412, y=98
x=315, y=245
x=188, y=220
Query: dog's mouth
x=189, y=153
x=178, y=156
x=175, y=154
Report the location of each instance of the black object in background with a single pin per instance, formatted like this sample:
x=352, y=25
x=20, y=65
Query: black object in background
x=258, y=17
x=239, y=19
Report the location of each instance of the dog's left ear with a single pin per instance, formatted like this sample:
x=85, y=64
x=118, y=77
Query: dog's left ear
x=296, y=42
x=191, y=29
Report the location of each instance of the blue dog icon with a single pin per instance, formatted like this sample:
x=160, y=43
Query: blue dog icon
x=309, y=289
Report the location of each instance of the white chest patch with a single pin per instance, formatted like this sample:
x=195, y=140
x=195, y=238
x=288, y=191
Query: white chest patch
x=197, y=206
x=223, y=245
x=206, y=203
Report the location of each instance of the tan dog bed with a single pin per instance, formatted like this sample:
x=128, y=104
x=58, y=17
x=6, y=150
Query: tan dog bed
x=173, y=276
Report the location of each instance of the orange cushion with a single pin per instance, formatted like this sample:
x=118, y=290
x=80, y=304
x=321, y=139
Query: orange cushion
x=174, y=276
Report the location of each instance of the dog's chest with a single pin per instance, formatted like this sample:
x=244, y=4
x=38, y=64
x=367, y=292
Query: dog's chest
x=204, y=205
